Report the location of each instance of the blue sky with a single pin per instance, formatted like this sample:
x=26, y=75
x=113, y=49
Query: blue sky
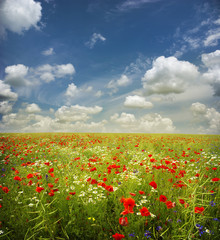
x=150, y=66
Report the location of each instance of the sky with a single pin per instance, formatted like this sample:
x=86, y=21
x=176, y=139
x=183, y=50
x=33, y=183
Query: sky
x=128, y=66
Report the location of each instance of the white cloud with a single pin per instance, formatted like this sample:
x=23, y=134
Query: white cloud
x=212, y=76
x=48, y=52
x=32, y=108
x=95, y=37
x=13, y=122
x=47, y=77
x=217, y=21
x=125, y=120
x=20, y=75
x=76, y=113
x=192, y=41
x=149, y=123
x=63, y=70
x=72, y=90
x=5, y=107
x=211, y=60
x=138, y=66
x=212, y=38
x=16, y=75
x=169, y=75
x=137, y=102
x=44, y=68
x=99, y=93
x=131, y=4
x=123, y=81
x=80, y=126
x=67, y=119
x=19, y=15
x=198, y=108
x=5, y=92
x=208, y=118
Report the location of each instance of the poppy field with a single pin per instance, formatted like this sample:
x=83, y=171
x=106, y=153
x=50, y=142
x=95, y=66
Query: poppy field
x=109, y=186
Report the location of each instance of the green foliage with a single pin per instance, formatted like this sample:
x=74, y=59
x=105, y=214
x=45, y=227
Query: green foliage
x=86, y=176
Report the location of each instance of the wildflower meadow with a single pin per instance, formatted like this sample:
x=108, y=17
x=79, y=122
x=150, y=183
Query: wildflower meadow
x=109, y=186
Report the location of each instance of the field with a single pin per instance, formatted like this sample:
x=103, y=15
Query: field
x=109, y=186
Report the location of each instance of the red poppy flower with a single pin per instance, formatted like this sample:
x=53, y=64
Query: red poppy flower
x=51, y=170
x=30, y=183
x=51, y=193
x=153, y=184
x=39, y=189
x=118, y=236
x=132, y=194
x=129, y=204
x=122, y=199
x=123, y=221
x=5, y=189
x=181, y=201
x=30, y=175
x=199, y=209
x=50, y=185
x=170, y=204
x=109, y=188
x=163, y=198
x=125, y=212
x=17, y=178
x=72, y=193
x=141, y=192
x=94, y=181
x=144, y=211
x=215, y=179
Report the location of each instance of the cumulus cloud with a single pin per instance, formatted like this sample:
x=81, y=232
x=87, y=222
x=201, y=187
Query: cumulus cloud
x=22, y=76
x=123, y=81
x=76, y=113
x=125, y=120
x=212, y=76
x=208, y=118
x=54, y=71
x=32, y=108
x=63, y=70
x=16, y=75
x=13, y=122
x=5, y=92
x=169, y=75
x=65, y=119
x=19, y=15
x=137, y=102
x=48, y=52
x=95, y=37
x=5, y=107
x=198, y=109
x=149, y=123
x=72, y=90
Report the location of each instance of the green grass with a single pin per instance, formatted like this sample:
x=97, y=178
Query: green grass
x=72, y=207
